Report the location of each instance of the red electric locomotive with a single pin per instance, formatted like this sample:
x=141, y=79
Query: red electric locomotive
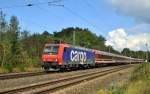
x=62, y=56
x=52, y=56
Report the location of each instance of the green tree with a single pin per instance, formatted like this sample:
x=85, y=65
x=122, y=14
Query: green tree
x=3, y=49
x=18, y=56
x=14, y=30
x=126, y=52
x=84, y=37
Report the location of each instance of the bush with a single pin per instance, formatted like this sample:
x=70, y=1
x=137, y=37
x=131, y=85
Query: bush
x=22, y=67
x=138, y=87
x=8, y=67
x=3, y=70
x=139, y=82
x=142, y=72
x=101, y=91
x=120, y=90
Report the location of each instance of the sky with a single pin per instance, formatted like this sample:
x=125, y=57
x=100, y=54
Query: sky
x=124, y=23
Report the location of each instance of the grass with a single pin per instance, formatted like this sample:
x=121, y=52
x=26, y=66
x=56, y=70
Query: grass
x=138, y=87
x=20, y=69
x=101, y=91
x=3, y=70
x=31, y=66
x=139, y=82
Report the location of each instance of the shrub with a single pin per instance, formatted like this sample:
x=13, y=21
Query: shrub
x=101, y=91
x=8, y=67
x=22, y=67
x=142, y=72
x=120, y=90
x=139, y=82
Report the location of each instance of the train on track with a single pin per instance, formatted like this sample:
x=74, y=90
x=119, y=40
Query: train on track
x=64, y=56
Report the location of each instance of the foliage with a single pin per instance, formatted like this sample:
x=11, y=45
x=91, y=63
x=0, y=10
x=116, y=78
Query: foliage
x=119, y=90
x=83, y=37
x=101, y=92
x=139, y=82
x=142, y=72
x=12, y=52
x=135, y=54
x=19, y=48
x=8, y=67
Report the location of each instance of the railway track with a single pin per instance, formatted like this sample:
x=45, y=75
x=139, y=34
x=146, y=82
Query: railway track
x=20, y=75
x=54, y=85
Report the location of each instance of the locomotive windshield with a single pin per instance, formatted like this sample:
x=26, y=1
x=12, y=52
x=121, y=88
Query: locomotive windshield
x=51, y=49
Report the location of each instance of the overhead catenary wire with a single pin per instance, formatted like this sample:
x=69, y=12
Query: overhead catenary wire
x=81, y=17
x=54, y=3
x=88, y=4
x=32, y=22
x=46, y=11
x=92, y=7
x=50, y=3
x=32, y=4
x=74, y=13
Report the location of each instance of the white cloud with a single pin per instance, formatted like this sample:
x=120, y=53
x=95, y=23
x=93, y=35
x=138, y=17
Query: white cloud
x=140, y=33
x=138, y=9
x=119, y=39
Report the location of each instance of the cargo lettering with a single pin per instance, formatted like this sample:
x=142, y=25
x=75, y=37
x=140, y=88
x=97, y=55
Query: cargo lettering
x=78, y=56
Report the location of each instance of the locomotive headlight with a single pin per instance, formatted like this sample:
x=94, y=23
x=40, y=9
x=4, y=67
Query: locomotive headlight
x=56, y=60
x=44, y=59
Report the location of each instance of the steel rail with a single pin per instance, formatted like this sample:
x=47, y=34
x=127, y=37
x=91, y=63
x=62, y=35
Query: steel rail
x=20, y=75
x=63, y=82
x=77, y=81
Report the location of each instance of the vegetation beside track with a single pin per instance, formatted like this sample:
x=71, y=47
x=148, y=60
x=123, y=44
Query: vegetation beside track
x=139, y=83
x=21, y=51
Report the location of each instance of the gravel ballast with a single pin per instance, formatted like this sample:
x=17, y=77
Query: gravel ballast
x=11, y=83
x=93, y=86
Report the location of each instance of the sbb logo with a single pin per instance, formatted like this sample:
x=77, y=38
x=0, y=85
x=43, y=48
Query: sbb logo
x=78, y=56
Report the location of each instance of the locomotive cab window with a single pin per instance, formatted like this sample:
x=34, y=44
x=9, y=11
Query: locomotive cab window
x=51, y=49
